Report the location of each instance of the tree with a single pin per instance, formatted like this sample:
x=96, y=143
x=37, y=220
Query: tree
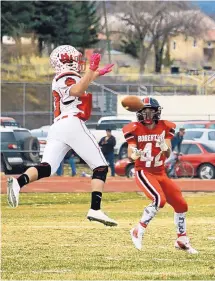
x=51, y=22
x=175, y=19
x=61, y=23
x=48, y=22
x=130, y=46
x=16, y=19
x=87, y=24
x=139, y=18
x=151, y=23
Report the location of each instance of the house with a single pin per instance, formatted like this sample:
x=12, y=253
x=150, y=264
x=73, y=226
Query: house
x=194, y=52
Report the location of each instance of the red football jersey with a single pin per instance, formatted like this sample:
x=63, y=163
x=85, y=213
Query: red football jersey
x=152, y=159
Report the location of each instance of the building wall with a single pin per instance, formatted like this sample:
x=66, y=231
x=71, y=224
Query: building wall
x=180, y=108
x=188, y=50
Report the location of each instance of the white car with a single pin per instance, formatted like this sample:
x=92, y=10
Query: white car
x=201, y=135
x=121, y=148
x=41, y=133
x=113, y=122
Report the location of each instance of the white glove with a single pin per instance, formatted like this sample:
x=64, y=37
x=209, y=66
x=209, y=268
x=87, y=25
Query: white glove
x=162, y=144
x=135, y=153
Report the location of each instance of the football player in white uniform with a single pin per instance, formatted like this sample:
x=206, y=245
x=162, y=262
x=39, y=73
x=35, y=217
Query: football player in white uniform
x=72, y=107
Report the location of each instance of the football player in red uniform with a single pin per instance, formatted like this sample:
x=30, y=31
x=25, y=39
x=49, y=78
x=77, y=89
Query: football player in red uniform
x=149, y=145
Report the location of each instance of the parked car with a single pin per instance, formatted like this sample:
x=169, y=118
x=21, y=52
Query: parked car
x=115, y=123
x=9, y=122
x=41, y=134
x=195, y=124
x=118, y=122
x=202, y=135
x=200, y=155
x=19, y=150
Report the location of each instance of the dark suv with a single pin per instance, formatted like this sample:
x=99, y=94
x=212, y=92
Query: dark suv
x=19, y=150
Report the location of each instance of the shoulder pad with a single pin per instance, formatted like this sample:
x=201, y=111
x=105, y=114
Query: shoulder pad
x=169, y=124
x=129, y=128
x=65, y=74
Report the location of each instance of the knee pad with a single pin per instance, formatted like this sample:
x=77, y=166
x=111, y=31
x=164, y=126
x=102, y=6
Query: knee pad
x=44, y=170
x=100, y=173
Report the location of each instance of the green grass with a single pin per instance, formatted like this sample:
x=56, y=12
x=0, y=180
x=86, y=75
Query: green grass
x=48, y=238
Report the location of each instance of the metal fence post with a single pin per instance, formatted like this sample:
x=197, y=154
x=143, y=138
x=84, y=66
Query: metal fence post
x=103, y=99
x=127, y=89
x=23, y=110
x=50, y=114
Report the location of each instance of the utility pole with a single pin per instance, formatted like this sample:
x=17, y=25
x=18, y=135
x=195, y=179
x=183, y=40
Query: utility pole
x=107, y=32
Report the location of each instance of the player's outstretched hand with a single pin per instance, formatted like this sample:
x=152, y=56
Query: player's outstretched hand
x=106, y=69
x=94, y=61
x=162, y=144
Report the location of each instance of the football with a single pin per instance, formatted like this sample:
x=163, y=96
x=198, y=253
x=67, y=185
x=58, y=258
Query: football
x=132, y=103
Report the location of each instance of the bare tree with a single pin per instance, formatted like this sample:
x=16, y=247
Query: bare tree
x=139, y=17
x=152, y=22
x=171, y=23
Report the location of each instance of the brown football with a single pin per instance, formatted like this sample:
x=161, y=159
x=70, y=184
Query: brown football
x=132, y=103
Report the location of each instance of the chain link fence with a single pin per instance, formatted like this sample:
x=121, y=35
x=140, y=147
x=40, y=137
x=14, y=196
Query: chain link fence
x=31, y=104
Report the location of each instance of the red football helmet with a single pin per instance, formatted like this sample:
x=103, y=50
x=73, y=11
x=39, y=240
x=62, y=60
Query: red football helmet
x=150, y=113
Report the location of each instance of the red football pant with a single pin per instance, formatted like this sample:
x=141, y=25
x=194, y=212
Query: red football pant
x=161, y=189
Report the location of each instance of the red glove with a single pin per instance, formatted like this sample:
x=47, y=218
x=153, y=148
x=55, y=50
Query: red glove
x=94, y=61
x=106, y=69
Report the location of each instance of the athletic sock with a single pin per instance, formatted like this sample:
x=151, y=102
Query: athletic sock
x=23, y=180
x=180, y=222
x=148, y=214
x=96, y=200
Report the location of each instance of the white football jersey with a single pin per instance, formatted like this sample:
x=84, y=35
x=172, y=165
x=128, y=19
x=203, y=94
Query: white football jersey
x=63, y=102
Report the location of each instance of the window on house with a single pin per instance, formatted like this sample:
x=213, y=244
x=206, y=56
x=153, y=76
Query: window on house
x=209, y=44
x=174, y=45
x=194, y=43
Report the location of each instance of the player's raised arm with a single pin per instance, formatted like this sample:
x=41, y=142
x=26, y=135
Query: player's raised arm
x=91, y=74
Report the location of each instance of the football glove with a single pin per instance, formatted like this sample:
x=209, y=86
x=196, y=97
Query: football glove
x=162, y=144
x=135, y=153
x=107, y=68
x=94, y=61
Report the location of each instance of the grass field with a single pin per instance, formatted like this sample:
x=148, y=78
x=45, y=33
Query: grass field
x=48, y=238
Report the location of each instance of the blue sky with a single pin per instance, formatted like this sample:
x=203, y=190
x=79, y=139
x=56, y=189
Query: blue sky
x=207, y=7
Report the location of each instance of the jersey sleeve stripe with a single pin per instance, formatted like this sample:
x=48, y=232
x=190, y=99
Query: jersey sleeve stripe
x=128, y=138
x=172, y=131
x=128, y=135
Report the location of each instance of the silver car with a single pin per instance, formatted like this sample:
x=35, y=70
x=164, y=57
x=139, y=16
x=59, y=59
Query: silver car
x=202, y=135
x=41, y=134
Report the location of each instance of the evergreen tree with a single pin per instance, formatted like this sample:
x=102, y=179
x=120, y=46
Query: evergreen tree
x=16, y=18
x=52, y=22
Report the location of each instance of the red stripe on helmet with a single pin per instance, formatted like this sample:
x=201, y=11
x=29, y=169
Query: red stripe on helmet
x=146, y=101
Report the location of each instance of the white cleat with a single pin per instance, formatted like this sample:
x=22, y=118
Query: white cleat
x=13, y=190
x=183, y=243
x=137, y=236
x=99, y=216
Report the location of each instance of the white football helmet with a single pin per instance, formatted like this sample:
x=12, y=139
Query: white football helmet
x=66, y=58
